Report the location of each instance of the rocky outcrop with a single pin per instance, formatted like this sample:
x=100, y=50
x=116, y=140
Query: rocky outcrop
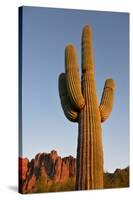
x=23, y=167
x=118, y=179
x=48, y=165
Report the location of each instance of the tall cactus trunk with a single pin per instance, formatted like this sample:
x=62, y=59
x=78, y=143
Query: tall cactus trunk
x=89, y=152
x=80, y=104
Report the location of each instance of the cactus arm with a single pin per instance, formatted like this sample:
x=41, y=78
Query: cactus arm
x=87, y=51
x=72, y=78
x=69, y=112
x=107, y=99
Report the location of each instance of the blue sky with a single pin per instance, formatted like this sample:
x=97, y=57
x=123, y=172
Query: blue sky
x=46, y=32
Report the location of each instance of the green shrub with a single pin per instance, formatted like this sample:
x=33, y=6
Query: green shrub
x=42, y=186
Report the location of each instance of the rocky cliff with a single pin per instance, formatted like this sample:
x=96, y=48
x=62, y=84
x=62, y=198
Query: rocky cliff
x=46, y=166
x=48, y=172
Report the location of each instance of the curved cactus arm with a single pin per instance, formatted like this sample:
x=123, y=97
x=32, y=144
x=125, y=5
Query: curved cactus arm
x=87, y=51
x=72, y=78
x=69, y=112
x=107, y=99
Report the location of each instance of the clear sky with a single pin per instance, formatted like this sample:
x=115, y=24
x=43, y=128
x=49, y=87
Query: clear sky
x=46, y=32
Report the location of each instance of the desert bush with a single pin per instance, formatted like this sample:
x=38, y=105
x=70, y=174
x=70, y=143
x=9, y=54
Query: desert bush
x=41, y=185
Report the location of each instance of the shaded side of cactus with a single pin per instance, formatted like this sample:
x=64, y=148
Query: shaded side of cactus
x=80, y=104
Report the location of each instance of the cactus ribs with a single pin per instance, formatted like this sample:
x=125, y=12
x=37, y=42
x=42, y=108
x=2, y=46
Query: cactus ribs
x=80, y=104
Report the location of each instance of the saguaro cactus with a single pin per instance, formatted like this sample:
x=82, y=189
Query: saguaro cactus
x=80, y=104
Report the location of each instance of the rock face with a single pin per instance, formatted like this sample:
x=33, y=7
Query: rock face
x=118, y=179
x=48, y=172
x=48, y=165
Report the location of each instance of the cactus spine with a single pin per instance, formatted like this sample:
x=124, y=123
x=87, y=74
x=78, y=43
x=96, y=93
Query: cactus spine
x=80, y=104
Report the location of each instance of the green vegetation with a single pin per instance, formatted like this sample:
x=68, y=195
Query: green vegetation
x=69, y=185
x=43, y=186
x=118, y=179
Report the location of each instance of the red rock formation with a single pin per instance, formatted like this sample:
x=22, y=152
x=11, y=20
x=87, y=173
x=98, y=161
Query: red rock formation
x=23, y=169
x=49, y=165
